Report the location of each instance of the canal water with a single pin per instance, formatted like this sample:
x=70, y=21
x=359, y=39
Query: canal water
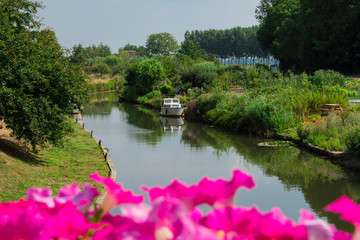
x=147, y=150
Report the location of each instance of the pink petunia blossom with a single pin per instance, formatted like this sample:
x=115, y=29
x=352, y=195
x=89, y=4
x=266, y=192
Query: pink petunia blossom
x=72, y=193
x=349, y=211
x=66, y=222
x=167, y=219
x=218, y=192
x=243, y=223
x=223, y=191
x=115, y=194
x=22, y=220
x=42, y=195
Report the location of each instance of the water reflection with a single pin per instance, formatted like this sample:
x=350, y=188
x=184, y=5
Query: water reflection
x=286, y=176
x=171, y=124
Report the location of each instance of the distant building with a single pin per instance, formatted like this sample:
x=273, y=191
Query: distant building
x=132, y=53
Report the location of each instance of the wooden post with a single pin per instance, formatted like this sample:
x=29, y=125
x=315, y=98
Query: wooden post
x=83, y=125
x=76, y=120
x=99, y=142
x=105, y=156
x=91, y=133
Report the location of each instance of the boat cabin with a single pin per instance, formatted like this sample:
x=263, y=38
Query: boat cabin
x=171, y=103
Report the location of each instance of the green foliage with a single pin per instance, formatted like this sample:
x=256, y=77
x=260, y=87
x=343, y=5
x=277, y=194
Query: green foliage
x=38, y=85
x=191, y=49
x=305, y=34
x=243, y=113
x=322, y=78
x=112, y=60
x=112, y=84
x=165, y=89
x=101, y=68
x=153, y=99
x=264, y=115
x=238, y=42
x=353, y=143
x=200, y=74
x=129, y=93
x=145, y=75
x=81, y=54
x=161, y=43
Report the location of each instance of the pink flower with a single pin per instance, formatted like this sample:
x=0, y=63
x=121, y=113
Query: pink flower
x=212, y=192
x=167, y=219
x=115, y=194
x=42, y=195
x=22, y=220
x=222, y=191
x=349, y=211
x=81, y=199
x=67, y=223
x=242, y=223
x=317, y=229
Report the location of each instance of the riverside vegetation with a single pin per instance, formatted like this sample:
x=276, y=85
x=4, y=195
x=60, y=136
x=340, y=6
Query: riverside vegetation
x=270, y=102
x=267, y=102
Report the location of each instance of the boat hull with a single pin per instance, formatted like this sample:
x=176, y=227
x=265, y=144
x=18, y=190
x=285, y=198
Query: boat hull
x=165, y=111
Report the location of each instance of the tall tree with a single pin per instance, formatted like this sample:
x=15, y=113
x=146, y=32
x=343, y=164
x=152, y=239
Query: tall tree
x=307, y=35
x=161, y=43
x=38, y=86
x=234, y=42
x=191, y=49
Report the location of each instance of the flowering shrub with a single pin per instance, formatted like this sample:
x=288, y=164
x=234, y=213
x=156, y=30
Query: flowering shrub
x=171, y=214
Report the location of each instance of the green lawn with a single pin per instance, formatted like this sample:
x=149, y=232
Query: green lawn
x=52, y=167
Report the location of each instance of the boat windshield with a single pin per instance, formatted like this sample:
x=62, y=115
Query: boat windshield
x=167, y=101
x=175, y=101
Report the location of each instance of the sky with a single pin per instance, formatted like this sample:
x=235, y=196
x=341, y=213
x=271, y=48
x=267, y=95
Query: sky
x=118, y=22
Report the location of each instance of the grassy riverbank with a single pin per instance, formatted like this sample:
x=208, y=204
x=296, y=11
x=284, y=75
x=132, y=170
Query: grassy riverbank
x=51, y=167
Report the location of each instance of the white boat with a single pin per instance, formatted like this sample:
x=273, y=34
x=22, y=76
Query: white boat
x=171, y=107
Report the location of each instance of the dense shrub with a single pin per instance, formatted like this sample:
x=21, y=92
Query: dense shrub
x=112, y=60
x=145, y=75
x=200, y=74
x=165, y=89
x=353, y=142
x=153, y=99
x=322, y=78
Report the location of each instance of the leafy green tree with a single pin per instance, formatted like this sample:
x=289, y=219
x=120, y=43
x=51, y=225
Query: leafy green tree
x=307, y=35
x=38, y=85
x=112, y=60
x=101, y=68
x=191, y=49
x=161, y=43
x=238, y=42
x=200, y=74
x=82, y=54
x=145, y=75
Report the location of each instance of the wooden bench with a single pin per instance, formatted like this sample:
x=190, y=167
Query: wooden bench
x=330, y=107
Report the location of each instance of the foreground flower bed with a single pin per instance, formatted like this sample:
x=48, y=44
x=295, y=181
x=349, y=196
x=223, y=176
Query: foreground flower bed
x=171, y=214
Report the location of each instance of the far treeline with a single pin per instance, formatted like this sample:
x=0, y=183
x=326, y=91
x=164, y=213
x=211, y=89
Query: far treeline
x=306, y=35
x=235, y=42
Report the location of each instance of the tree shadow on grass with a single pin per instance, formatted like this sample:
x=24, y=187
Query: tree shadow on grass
x=15, y=150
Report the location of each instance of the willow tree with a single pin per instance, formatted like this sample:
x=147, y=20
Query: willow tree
x=38, y=86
